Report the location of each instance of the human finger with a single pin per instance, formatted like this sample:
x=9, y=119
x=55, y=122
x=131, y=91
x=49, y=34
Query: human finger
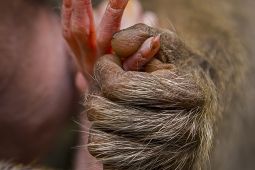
x=109, y=24
x=66, y=27
x=83, y=29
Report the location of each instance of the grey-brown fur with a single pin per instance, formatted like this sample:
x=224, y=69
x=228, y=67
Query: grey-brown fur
x=143, y=121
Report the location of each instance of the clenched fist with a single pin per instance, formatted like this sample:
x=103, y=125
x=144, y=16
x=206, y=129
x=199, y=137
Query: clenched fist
x=156, y=117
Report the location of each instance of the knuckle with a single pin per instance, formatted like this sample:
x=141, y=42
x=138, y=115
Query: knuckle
x=115, y=14
x=93, y=106
x=100, y=40
x=79, y=30
x=67, y=4
x=110, y=88
x=108, y=75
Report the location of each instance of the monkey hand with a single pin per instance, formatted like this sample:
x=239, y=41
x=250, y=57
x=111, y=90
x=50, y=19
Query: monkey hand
x=153, y=117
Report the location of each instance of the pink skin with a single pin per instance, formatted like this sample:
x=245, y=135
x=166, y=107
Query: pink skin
x=78, y=30
x=37, y=92
x=88, y=45
x=133, y=15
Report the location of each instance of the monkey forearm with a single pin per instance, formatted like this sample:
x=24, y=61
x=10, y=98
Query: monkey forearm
x=205, y=55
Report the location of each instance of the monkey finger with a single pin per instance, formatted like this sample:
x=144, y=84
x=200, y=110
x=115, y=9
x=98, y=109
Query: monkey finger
x=172, y=49
x=127, y=121
x=144, y=54
x=162, y=89
x=106, y=147
x=109, y=24
x=126, y=42
x=155, y=65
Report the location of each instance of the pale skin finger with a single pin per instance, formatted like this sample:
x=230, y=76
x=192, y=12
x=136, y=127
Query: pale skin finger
x=78, y=30
x=83, y=29
x=66, y=30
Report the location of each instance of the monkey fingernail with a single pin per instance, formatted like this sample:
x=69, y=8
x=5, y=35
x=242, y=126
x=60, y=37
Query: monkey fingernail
x=155, y=43
x=155, y=65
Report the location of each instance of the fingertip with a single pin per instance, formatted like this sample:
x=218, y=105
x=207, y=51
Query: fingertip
x=155, y=43
x=67, y=3
x=109, y=24
x=116, y=4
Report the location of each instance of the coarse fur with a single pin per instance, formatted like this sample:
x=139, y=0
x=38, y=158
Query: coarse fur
x=168, y=119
